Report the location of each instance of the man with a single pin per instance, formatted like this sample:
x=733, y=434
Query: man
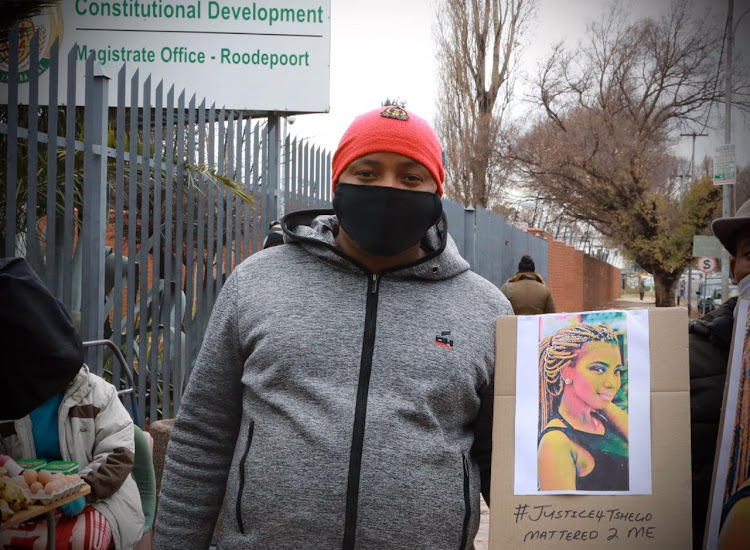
x=709, y=340
x=527, y=292
x=353, y=409
x=642, y=287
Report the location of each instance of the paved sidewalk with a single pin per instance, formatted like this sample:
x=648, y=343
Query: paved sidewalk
x=633, y=302
x=483, y=535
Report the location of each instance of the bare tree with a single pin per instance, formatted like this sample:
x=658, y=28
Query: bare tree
x=478, y=44
x=601, y=149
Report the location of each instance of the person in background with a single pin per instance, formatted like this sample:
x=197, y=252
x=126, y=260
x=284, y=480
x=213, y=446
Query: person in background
x=709, y=340
x=527, y=292
x=58, y=410
x=681, y=295
x=275, y=236
x=642, y=287
x=355, y=366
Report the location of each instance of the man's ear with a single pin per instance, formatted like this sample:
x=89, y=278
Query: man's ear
x=732, y=263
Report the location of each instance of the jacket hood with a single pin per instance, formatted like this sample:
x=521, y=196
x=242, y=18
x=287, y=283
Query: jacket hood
x=315, y=231
x=530, y=275
x=42, y=351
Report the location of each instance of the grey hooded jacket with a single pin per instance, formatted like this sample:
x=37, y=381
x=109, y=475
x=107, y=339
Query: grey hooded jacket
x=332, y=408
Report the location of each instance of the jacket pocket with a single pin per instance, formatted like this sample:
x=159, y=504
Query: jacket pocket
x=242, y=476
x=467, y=503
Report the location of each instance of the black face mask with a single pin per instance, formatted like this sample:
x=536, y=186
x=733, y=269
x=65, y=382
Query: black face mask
x=385, y=221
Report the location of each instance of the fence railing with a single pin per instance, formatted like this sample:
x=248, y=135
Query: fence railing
x=134, y=214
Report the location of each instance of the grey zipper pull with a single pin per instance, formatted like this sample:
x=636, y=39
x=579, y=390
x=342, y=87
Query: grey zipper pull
x=375, y=280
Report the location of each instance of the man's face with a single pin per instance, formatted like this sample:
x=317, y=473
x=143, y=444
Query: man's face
x=740, y=262
x=389, y=170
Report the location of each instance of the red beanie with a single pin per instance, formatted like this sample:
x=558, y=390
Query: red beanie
x=390, y=130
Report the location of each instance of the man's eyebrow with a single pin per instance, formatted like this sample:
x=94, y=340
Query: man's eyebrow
x=411, y=163
x=368, y=162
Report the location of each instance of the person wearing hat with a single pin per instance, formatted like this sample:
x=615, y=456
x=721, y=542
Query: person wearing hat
x=527, y=292
x=355, y=407
x=710, y=338
x=53, y=408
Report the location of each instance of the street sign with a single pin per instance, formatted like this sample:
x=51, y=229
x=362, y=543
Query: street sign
x=707, y=265
x=704, y=245
x=724, y=166
x=258, y=56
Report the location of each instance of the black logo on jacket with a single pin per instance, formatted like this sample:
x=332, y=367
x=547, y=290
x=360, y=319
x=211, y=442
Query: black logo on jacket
x=443, y=339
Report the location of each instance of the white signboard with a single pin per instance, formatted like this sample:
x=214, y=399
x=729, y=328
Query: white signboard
x=724, y=166
x=706, y=245
x=261, y=55
x=707, y=265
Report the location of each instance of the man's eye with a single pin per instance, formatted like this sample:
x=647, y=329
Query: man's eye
x=413, y=178
x=365, y=173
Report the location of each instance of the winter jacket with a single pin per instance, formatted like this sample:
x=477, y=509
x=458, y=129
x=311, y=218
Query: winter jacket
x=709, y=340
x=97, y=432
x=332, y=408
x=528, y=294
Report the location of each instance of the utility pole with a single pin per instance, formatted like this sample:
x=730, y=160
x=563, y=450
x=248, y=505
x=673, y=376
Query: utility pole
x=726, y=207
x=692, y=181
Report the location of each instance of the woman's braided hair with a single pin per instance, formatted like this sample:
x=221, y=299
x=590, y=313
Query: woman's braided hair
x=559, y=351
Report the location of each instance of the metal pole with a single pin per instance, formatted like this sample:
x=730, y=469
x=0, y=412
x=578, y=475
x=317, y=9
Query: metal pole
x=94, y=208
x=274, y=168
x=469, y=242
x=726, y=209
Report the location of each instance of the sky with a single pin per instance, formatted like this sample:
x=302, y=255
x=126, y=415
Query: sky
x=385, y=49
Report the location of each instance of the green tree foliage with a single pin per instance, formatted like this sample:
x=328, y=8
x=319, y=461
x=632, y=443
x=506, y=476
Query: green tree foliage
x=660, y=237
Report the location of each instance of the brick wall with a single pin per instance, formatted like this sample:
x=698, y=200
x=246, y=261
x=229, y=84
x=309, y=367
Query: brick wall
x=602, y=284
x=578, y=282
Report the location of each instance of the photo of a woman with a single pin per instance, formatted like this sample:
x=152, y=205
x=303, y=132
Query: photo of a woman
x=583, y=433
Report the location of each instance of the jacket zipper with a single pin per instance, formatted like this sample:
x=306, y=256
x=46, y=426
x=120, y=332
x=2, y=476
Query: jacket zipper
x=360, y=414
x=242, y=476
x=467, y=503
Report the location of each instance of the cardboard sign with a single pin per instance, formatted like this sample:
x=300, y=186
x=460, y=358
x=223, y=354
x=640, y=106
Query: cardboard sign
x=726, y=520
x=656, y=521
